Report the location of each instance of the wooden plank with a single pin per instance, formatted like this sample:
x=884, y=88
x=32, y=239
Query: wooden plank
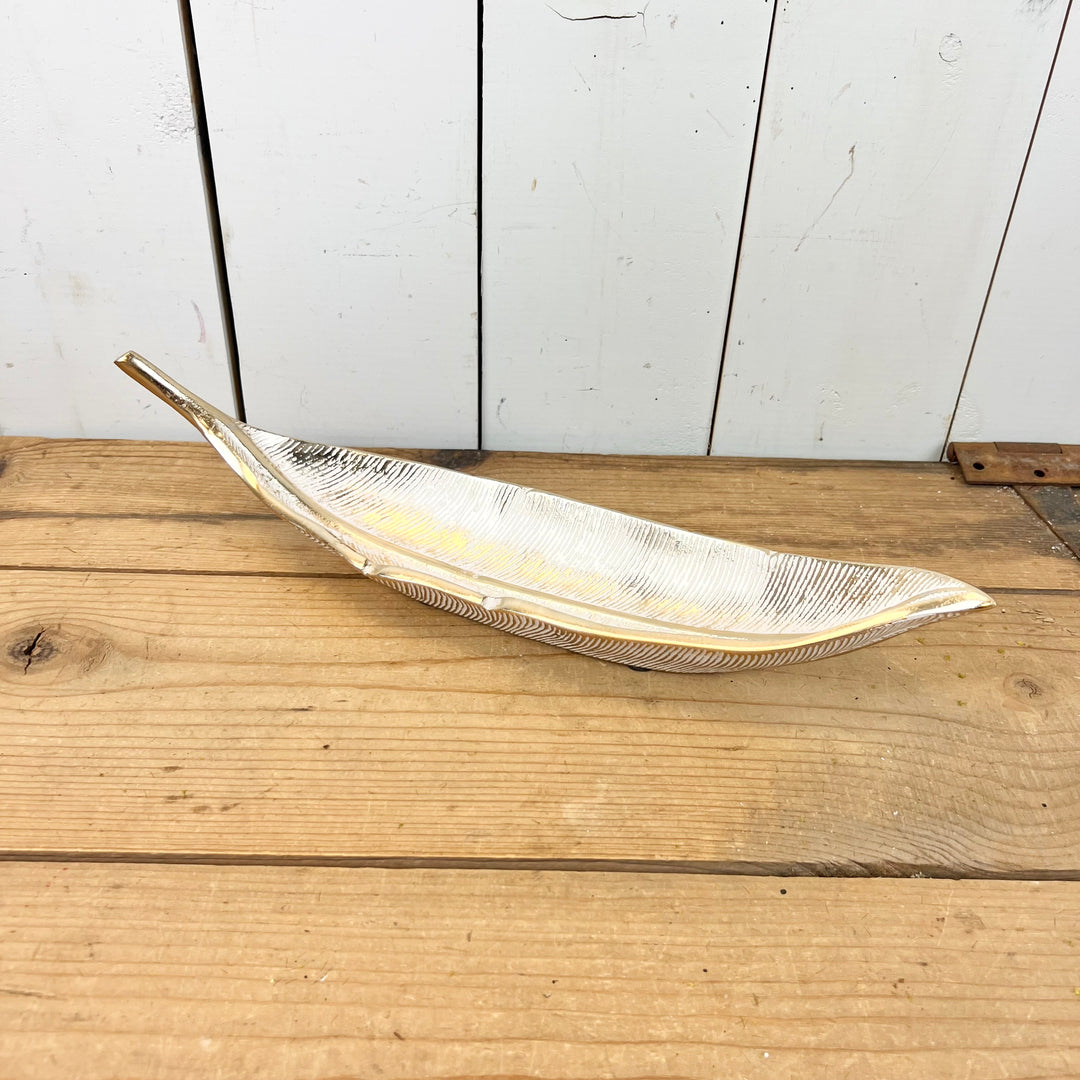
x=169, y=506
x=292, y=718
x=1024, y=379
x=106, y=243
x=874, y=221
x=344, y=140
x=617, y=143
x=186, y=972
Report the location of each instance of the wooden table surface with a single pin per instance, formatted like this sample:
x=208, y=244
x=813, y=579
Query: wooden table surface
x=261, y=817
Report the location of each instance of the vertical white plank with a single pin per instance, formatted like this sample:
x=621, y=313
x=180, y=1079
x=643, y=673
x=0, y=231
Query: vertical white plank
x=890, y=147
x=616, y=152
x=344, y=144
x=1024, y=380
x=105, y=244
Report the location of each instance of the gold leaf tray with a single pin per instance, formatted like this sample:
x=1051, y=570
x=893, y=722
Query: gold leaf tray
x=587, y=579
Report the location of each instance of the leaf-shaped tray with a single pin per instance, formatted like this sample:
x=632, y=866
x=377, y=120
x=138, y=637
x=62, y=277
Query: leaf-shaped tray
x=588, y=579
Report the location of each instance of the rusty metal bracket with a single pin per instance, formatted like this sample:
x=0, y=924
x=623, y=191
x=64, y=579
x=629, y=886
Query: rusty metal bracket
x=1017, y=462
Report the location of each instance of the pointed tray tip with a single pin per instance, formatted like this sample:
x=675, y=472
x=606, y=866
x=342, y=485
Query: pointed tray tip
x=201, y=414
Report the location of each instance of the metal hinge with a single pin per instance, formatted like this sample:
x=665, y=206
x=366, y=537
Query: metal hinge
x=1016, y=462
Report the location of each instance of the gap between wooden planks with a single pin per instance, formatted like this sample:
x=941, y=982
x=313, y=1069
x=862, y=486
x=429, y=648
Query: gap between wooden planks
x=185, y=972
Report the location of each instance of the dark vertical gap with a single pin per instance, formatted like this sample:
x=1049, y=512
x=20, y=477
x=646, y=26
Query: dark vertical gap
x=1005, y=234
x=480, y=225
x=742, y=225
x=213, y=213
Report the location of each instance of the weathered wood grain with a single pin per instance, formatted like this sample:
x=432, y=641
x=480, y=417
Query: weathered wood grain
x=174, y=506
x=173, y=707
x=105, y=241
x=189, y=972
x=331, y=718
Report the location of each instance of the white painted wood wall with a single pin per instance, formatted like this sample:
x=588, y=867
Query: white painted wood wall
x=818, y=229
x=102, y=219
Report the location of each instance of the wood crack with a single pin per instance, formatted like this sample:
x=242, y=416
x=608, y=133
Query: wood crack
x=31, y=649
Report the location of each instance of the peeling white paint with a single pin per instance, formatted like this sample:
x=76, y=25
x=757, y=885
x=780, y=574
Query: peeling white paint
x=950, y=48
